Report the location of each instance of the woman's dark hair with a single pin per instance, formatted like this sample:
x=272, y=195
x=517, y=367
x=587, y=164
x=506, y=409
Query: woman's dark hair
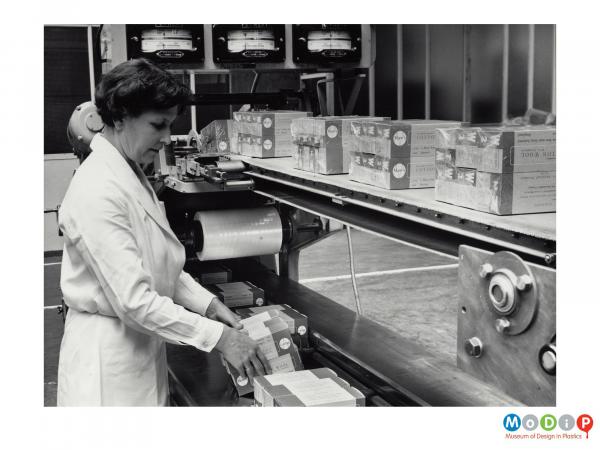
x=137, y=86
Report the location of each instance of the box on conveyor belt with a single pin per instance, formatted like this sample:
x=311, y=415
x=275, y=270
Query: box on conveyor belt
x=497, y=193
x=275, y=341
x=238, y=293
x=268, y=387
x=208, y=272
x=218, y=135
x=407, y=139
x=297, y=322
x=266, y=134
x=321, y=392
x=323, y=144
x=499, y=170
x=501, y=149
x=392, y=173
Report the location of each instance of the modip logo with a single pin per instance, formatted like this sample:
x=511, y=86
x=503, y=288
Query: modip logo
x=512, y=422
x=547, y=427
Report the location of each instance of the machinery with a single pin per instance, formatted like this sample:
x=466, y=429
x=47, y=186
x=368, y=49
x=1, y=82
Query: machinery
x=269, y=212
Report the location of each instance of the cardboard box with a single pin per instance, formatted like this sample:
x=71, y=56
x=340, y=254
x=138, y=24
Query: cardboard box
x=275, y=341
x=267, y=388
x=217, y=136
x=332, y=140
x=297, y=322
x=239, y=293
x=392, y=173
x=509, y=193
x=518, y=149
x=405, y=139
x=266, y=134
x=208, y=272
x=322, y=392
x=500, y=149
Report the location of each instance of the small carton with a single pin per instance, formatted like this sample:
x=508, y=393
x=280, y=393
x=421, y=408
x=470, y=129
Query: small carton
x=297, y=322
x=518, y=149
x=275, y=342
x=500, y=149
x=392, y=173
x=266, y=134
x=269, y=387
x=406, y=139
x=322, y=392
x=332, y=140
x=239, y=293
x=497, y=193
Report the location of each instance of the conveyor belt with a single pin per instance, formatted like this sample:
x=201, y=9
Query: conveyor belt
x=534, y=231
x=415, y=373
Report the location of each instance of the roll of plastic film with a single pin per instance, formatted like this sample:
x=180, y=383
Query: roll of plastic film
x=235, y=233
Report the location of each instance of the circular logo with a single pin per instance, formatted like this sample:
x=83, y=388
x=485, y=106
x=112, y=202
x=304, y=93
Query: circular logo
x=399, y=170
x=399, y=138
x=284, y=343
x=267, y=122
x=332, y=131
x=222, y=146
x=242, y=381
x=585, y=423
x=530, y=422
x=566, y=422
x=512, y=422
x=301, y=330
x=259, y=301
x=548, y=422
x=268, y=144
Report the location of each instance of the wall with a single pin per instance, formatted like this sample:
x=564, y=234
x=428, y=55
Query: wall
x=477, y=73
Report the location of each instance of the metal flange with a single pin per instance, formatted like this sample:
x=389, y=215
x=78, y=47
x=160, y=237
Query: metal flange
x=511, y=292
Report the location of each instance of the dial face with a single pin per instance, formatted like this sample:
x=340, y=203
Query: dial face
x=154, y=40
x=242, y=40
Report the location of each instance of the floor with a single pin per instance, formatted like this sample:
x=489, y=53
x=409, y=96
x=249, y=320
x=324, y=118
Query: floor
x=410, y=290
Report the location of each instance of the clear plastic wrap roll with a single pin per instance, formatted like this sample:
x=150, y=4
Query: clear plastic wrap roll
x=235, y=233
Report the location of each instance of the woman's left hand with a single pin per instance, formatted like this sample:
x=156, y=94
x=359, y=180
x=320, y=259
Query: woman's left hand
x=218, y=311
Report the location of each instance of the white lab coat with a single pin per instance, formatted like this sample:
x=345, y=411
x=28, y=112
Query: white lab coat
x=123, y=281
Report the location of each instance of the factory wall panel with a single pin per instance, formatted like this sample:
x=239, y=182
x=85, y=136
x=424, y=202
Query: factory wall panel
x=413, y=68
x=543, y=59
x=66, y=82
x=386, y=71
x=486, y=43
x=446, y=71
x=518, y=52
x=211, y=84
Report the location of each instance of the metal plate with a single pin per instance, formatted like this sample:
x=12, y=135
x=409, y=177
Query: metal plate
x=510, y=362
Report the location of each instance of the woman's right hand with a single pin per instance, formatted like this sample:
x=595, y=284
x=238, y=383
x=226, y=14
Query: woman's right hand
x=242, y=353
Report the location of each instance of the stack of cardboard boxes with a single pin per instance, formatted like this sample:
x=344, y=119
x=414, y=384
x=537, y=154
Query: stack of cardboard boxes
x=275, y=341
x=500, y=170
x=316, y=387
x=323, y=144
x=266, y=134
x=397, y=154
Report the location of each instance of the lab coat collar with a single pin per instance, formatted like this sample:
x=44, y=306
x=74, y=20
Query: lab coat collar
x=128, y=179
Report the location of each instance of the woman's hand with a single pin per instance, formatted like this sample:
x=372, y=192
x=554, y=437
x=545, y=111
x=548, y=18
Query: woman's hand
x=218, y=311
x=242, y=353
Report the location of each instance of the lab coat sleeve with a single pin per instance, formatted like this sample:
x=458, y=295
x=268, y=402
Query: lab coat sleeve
x=102, y=233
x=192, y=295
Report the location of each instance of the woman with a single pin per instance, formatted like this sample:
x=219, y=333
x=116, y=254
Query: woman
x=122, y=270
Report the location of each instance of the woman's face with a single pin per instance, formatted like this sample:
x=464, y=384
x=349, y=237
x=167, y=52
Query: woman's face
x=142, y=137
